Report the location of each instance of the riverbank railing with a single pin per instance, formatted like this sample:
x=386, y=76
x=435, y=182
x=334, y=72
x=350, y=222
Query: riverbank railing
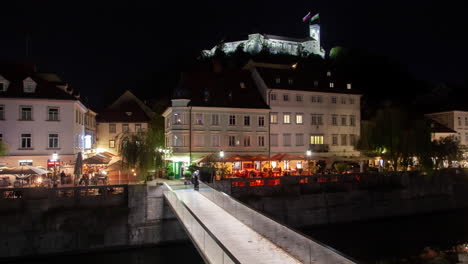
x=296, y=244
x=211, y=249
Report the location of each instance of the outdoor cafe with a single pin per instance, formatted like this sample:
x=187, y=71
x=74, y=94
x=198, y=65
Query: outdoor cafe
x=246, y=166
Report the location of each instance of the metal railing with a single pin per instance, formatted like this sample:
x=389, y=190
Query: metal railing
x=211, y=249
x=297, y=245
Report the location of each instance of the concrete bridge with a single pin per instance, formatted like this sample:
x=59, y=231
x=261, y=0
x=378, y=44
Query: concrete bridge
x=226, y=231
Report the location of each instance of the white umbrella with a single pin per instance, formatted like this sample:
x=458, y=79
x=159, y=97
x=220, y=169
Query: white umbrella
x=24, y=170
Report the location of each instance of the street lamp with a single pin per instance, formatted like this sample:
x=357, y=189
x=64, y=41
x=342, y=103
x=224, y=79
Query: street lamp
x=221, y=154
x=309, y=155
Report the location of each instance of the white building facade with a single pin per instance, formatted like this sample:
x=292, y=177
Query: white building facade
x=196, y=132
x=39, y=119
x=456, y=120
x=319, y=114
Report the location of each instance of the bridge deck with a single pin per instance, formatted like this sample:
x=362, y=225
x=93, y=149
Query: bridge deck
x=244, y=243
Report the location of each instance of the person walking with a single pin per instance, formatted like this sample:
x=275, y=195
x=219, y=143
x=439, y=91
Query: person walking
x=62, y=177
x=196, y=182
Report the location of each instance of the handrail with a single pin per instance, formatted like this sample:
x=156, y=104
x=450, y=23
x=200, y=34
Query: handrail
x=301, y=257
x=205, y=228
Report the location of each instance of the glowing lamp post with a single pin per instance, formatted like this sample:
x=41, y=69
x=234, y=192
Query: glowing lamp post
x=309, y=155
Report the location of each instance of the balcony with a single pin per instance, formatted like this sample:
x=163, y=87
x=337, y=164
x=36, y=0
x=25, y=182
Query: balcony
x=318, y=147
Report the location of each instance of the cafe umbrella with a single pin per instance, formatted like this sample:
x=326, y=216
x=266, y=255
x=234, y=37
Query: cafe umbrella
x=78, y=166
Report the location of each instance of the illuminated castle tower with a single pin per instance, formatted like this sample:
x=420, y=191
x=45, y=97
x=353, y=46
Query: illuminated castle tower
x=314, y=30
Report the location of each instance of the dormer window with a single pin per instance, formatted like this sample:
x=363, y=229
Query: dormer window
x=315, y=83
x=332, y=85
x=328, y=73
x=29, y=86
x=348, y=86
x=290, y=81
x=206, y=95
x=242, y=85
x=3, y=84
x=128, y=113
x=278, y=80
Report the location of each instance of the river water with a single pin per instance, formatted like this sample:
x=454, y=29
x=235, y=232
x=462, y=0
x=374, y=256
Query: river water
x=173, y=253
x=395, y=240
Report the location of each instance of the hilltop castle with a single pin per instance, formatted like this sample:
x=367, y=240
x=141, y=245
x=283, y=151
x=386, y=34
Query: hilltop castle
x=254, y=43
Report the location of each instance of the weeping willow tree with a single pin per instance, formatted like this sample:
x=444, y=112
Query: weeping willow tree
x=396, y=136
x=139, y=150
x=3, y=148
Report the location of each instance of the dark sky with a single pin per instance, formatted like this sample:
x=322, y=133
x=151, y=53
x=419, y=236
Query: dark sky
x=104, y=48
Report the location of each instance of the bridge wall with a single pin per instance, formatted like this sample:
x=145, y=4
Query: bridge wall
x=51, y=221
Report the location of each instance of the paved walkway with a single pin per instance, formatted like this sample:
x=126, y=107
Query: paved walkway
x=244, y=243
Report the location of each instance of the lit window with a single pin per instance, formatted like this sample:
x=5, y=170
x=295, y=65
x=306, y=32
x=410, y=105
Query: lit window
x=26, y=113
x=286, y=118
x=278, y=80
x=274, y=118
x=242, y=85
x=348, y=86
x=328, y=73
x=316, y=139
x=53, y=114
x=111, y=143
x=25, y=141
x=53, y=141
x=299, y=119
x=332, y=85
x=198, y=118
x=177, y=119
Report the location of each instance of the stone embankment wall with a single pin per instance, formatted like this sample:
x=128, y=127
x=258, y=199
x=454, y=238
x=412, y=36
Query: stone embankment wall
x=47, y=224
x=315, y=200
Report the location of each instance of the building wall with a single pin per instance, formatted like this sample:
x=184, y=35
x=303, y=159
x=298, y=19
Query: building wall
x=69, y=129
x=346, y=105
x=456, y=120
x=104, y=136
x=205, y=134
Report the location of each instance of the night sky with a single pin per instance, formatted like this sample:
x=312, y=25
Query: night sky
x=103, y=49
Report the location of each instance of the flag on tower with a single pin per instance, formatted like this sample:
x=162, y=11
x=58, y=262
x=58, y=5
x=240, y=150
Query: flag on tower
x=306, y=17
x=316, y=17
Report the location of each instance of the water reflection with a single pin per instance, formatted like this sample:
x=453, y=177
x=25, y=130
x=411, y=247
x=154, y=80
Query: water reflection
x=174, y=253
x=432, y=238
